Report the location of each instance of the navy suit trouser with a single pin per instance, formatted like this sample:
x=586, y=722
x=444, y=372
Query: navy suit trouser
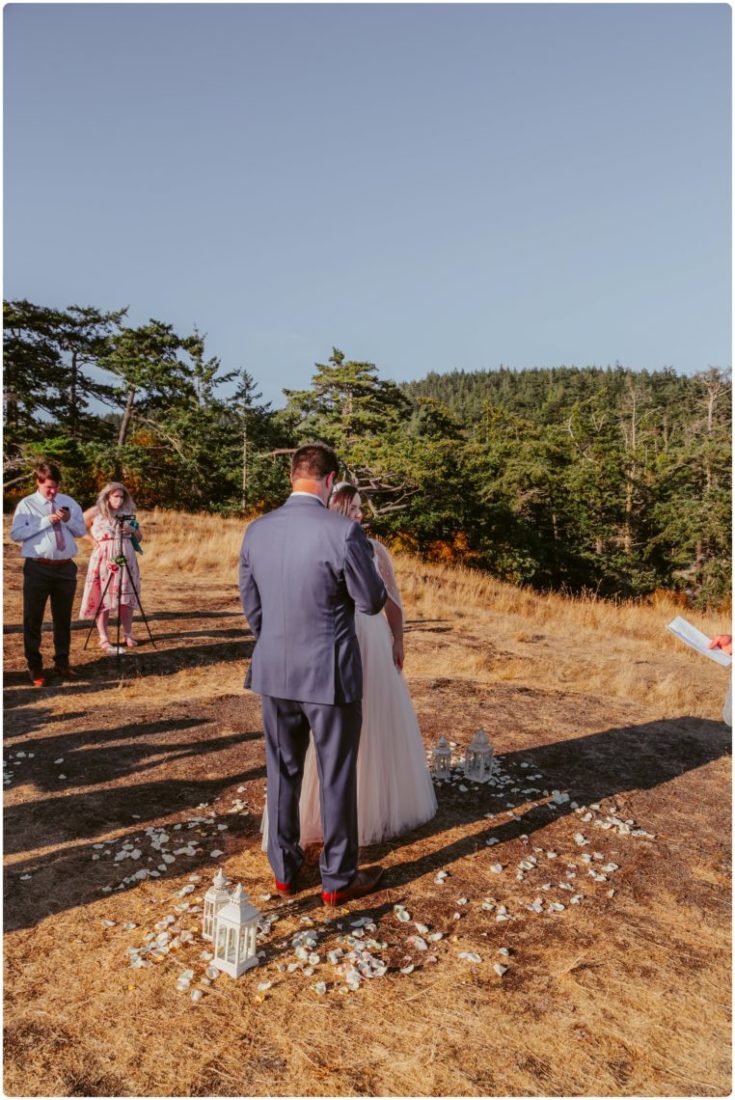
x=336, y=732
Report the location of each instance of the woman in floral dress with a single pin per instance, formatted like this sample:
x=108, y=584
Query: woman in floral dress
x=111, y=539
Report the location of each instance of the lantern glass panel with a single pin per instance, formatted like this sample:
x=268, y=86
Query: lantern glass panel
x=440, y=763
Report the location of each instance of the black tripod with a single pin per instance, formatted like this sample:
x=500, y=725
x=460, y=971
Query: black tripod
x=121, y=562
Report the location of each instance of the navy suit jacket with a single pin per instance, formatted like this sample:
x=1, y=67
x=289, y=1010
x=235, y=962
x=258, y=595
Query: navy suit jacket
x=303, y=571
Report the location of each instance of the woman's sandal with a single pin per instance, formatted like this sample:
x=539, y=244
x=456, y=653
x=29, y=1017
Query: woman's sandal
x=130, y=641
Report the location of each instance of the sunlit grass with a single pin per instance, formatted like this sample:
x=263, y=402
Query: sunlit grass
x=496, y=632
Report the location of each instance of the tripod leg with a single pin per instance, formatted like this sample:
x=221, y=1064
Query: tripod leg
x=121, y=567
x=140, y=607
x=97, y=610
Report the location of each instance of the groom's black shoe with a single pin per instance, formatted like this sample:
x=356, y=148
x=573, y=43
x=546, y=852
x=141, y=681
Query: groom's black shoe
x=363, y=883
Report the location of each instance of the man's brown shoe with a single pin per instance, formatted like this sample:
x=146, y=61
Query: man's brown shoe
x=67, y=673
x=363, y=883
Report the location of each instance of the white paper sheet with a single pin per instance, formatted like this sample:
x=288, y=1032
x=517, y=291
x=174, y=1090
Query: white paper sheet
x=694, y=638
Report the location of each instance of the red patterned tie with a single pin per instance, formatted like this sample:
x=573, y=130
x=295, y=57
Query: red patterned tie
x=58, y=533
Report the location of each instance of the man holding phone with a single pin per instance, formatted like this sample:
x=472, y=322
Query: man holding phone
x=45, y=524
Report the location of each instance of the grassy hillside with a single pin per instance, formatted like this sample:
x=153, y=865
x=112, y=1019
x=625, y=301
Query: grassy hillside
x=624, y=991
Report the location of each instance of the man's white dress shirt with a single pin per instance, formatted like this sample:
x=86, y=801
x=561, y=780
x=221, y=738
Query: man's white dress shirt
x=33, y=529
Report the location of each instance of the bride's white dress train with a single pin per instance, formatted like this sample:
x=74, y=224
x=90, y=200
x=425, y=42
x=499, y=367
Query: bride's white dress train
x=394, y=789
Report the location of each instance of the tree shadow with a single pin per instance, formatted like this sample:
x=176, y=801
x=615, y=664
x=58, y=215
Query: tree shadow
x=588, y=769
x=172, y=616
x=86, y=759
x=86, y=814
x=144, y=660
x=68, y=877
x=79, y=625
x=422, y=628
x=232, y=632
x=25, y=720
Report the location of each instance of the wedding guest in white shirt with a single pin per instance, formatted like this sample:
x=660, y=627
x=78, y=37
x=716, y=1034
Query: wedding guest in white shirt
x=45, y=524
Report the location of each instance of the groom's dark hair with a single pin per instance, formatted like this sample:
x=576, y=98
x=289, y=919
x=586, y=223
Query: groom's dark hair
x=314, y=460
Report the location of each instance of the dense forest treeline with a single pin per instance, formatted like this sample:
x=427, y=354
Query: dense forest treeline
x=584, y=478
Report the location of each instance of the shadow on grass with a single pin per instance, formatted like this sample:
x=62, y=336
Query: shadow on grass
x=589, y=768
x=89, y=759
x=23, y=721
x=142, y=661
x=79, y=625
x=428, y=626
x=68, y=877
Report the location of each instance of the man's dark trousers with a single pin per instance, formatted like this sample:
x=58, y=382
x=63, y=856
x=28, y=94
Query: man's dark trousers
x=41, y=582
x=336, y=732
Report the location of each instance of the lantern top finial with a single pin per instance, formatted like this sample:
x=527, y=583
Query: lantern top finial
x=480, y=740
x=219, y=879
x=238, y=908
x=442, y=743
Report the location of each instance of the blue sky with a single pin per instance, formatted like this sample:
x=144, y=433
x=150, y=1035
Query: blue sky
x=427, y=187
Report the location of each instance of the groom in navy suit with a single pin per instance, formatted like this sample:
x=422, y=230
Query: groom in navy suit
x=303, y=571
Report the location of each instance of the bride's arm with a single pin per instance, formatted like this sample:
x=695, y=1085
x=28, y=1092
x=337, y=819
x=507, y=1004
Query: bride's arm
x=393, y=608
x=394, y=616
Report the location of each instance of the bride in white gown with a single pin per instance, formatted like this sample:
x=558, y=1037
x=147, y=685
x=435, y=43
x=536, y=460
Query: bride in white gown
x=394, y=788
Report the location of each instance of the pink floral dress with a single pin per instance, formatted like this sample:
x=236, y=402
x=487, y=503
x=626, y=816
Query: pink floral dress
x=110, y=544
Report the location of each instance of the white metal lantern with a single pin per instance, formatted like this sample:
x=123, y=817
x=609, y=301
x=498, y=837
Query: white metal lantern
x=235, y=930
x=216, y=896
x=478, y=760
x=441, y=760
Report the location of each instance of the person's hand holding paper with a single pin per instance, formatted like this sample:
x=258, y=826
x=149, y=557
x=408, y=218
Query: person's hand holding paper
x=694, y=638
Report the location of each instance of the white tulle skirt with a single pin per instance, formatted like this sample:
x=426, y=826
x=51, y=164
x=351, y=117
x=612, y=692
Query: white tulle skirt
x=394, y=788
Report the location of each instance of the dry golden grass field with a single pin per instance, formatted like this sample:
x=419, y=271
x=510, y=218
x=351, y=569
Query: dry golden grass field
x=624, y=990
